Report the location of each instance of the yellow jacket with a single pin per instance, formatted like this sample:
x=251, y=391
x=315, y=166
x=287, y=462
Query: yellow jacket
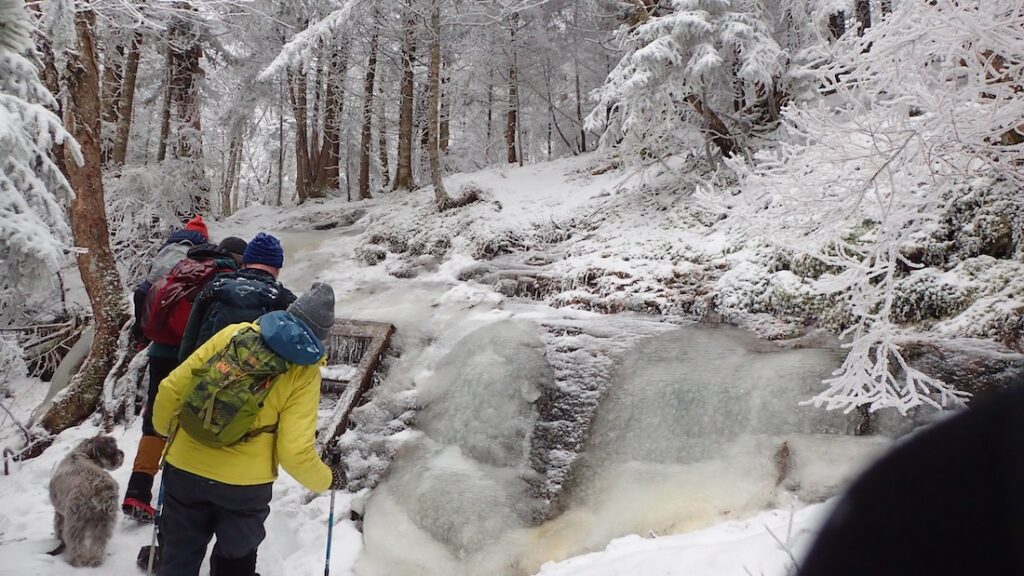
x=292, y=405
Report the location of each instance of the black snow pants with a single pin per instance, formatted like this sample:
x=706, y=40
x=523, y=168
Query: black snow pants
x=196, y=509
x=151, y=446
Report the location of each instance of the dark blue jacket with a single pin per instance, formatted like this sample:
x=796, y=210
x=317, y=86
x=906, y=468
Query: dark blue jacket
x=228, y=299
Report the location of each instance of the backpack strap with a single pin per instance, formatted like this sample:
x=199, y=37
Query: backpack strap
x=257, y=431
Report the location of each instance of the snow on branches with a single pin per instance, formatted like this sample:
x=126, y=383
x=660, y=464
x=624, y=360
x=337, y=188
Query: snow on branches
x=297, y=50
x=682, y=66
x=33, y=226
x=927, y=99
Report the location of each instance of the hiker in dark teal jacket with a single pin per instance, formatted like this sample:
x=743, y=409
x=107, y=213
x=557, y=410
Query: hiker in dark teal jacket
x=240, y=297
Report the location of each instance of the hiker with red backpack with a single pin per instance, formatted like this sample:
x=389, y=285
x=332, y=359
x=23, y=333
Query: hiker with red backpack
x=167, y=307
x=177, y=245
x=243, y=403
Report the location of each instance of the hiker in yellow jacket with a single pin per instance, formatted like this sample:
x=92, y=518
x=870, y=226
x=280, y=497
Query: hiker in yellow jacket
x=226, y=491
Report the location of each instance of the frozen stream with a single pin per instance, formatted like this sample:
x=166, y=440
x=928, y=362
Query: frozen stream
x=686, y=430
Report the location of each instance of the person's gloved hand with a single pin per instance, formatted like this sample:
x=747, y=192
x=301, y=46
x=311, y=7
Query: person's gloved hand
x=339, y=479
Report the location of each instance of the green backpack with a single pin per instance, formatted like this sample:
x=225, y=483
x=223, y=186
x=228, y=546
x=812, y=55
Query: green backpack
x=229, y=392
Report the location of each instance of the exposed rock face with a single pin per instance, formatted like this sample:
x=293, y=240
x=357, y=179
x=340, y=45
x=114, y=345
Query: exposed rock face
x=976, y=366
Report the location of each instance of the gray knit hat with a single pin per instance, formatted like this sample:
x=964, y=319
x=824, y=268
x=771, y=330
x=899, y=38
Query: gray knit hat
x=316, y=309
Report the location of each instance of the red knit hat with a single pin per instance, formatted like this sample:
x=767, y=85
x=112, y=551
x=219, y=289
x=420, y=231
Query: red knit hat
x=196, y=224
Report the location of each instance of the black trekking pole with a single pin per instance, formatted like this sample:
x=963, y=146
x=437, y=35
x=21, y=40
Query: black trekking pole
x=335, y=462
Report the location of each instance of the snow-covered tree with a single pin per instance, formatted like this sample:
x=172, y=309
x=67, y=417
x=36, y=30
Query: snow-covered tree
x=927, y=99
x=712, y=64
x=34, y=231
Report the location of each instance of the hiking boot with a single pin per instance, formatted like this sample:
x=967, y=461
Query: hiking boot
x=138, y=510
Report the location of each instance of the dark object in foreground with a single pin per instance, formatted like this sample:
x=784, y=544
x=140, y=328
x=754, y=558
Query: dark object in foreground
x=947, y=502
x=142, y=561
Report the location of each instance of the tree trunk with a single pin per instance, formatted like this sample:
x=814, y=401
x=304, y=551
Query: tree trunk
x=366, y=136
x=446, y=111
x=110, y=97
x=297, y=95
x=403, y=175
x=490, y=116
x=717, y=132
x=382, y=141
x=334, y=107
x=89, y=228
x=421, y=117
x=511, y=118
x=165, y=112
x=231, y=172
x=579, y=111
x=51, y=79
x=280, y=145
x=863, y=8
x=440, y=194
x=837, y=25
x=126, y=105
x=186, y=72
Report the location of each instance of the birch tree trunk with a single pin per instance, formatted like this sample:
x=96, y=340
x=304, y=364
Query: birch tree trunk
x=441, y=198
x=89, y=229
x=403, y=175
x=366, y=135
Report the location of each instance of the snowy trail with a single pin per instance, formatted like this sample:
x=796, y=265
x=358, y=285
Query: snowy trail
x=296, y=528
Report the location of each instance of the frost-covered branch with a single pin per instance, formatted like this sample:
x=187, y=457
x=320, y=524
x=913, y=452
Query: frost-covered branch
x=298, y=48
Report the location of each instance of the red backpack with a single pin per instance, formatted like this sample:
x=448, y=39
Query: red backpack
x=169, y=301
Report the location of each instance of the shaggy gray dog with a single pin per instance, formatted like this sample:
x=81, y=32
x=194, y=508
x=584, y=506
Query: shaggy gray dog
x=84, y=497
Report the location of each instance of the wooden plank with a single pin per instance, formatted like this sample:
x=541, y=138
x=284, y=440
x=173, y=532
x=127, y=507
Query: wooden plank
x=347, y=337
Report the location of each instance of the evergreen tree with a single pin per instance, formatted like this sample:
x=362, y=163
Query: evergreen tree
x=34, y=229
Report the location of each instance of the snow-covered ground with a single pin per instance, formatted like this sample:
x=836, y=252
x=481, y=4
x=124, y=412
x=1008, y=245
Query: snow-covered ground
x=297, y=527
x=763, y=545
x=573, y=237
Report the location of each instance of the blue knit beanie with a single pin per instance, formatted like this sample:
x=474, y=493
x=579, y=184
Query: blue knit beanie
x=264, y=249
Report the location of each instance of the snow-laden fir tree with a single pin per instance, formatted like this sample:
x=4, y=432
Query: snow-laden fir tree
x=33, y=192
x=928, y=99
x=712, y=64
